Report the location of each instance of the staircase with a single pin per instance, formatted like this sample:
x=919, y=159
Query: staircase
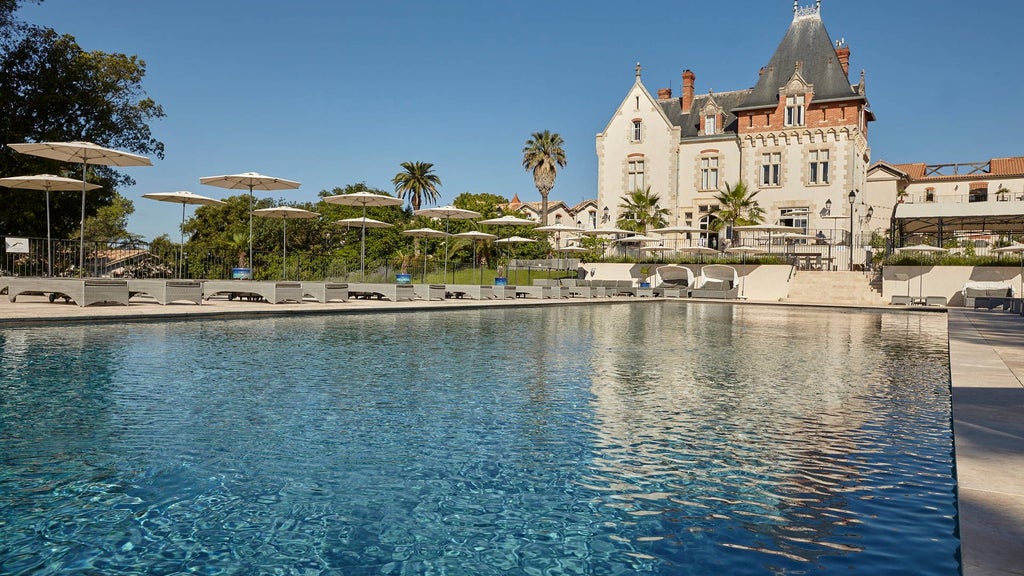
x=848, y=288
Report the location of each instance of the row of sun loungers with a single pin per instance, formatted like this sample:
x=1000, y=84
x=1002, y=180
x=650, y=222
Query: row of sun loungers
x=88, y=291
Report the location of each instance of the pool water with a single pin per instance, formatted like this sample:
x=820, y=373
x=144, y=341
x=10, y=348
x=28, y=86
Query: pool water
x=647, y=438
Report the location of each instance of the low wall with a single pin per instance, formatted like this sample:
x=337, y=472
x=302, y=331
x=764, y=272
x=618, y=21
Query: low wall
x=766, y=283
x=945, y=281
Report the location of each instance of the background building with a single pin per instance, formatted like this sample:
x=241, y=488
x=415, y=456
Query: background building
x=799, y=138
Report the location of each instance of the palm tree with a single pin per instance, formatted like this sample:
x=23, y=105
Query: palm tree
x=641, y=210
x=736, y=207
x=542, y=155
x=417, y=182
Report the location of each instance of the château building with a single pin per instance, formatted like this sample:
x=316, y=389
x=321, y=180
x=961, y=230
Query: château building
x=799, y=137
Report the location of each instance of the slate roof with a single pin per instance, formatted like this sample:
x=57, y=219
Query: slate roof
x=689, y=120
x=806, y=42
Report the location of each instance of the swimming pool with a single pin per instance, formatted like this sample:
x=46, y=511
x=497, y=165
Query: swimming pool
x=647, y=438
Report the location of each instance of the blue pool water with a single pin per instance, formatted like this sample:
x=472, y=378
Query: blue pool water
x=644, y=438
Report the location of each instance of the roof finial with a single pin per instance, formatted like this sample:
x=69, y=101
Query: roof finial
x=638, y=69
x=796, y=6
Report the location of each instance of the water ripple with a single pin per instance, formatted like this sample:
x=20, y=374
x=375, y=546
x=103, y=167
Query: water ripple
x=649, y=439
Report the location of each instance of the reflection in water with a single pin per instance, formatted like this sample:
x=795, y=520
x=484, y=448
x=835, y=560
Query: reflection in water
x=776, y=431
x=621, y=439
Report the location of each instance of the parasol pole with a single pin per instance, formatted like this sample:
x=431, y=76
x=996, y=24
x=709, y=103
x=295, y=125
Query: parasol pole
x=181, y=256
x=49, y=249
x=81, y=226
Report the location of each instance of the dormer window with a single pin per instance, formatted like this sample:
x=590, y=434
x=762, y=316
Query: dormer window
x=637, y=130
x=795, y=110
x=711, y=124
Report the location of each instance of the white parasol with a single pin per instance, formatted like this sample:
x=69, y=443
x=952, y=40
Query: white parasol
x=363, y=199
x=46, y=182
x=249, y=181
x=425, y=233
x=182, y=197
x=474, y=236
x=363, y=223
x=83, y=153
x=284, y=213
x=447, y=212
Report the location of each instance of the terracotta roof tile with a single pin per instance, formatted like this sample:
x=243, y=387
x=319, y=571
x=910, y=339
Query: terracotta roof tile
x=915, y=170
x=1007, y=166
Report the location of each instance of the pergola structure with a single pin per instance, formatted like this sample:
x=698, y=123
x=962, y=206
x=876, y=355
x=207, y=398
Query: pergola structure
x=945, y=218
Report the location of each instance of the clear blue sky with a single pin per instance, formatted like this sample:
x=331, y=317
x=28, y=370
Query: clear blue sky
x=331, y=93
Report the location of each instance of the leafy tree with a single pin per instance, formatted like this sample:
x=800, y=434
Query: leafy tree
x=543, y=155
x=52, y=90
x=736, y=207
x=641, y=210
x=417, y=183
x=110, y=222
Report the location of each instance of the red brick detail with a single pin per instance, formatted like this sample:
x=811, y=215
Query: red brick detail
x=709, y=151
x=688, y=80
x=844, y=58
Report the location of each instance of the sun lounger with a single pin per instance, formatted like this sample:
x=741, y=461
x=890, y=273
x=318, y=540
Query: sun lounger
x=583, y=288
x=325, y=292
x=83, y=291
x=676, y=281
x=429, y=291
x=717, y=281
x=901, y=300
x=392, y=292
x=934, y=300
x=504, y=292
x=270, y=291
x=471, y=291
x=531, y=292
x=167, y=291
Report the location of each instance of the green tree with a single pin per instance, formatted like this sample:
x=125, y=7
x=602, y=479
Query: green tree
x=52, y=90
x=110, y=222
x=543, y=155
x=417, y=182
x=736, y=207
x=641, y=210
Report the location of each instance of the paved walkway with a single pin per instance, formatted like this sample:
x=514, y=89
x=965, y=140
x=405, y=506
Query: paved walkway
x=986, y=354
x=986, y=351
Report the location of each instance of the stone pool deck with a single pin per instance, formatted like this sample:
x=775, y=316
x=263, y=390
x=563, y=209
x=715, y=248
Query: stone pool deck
x=986, y=350
x=986, y=357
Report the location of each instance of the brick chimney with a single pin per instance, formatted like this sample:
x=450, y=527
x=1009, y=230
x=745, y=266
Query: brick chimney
x=688, y=79
x=665, y=94
x=843, y=52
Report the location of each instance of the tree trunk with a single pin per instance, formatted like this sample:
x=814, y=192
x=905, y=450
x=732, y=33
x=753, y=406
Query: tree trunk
x=543, y=207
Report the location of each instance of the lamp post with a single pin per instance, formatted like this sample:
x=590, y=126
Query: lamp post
x=852, y=197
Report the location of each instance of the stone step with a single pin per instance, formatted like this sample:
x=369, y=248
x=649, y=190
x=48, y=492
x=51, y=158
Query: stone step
x=835, y=287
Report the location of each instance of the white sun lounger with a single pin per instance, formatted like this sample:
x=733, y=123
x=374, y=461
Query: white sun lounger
x=429, y=291
x=393, y=292
x=324, y=292
x=504, y=292
x=83, y=291
x=471, y=291
x=271, y=291
x=167, y=291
